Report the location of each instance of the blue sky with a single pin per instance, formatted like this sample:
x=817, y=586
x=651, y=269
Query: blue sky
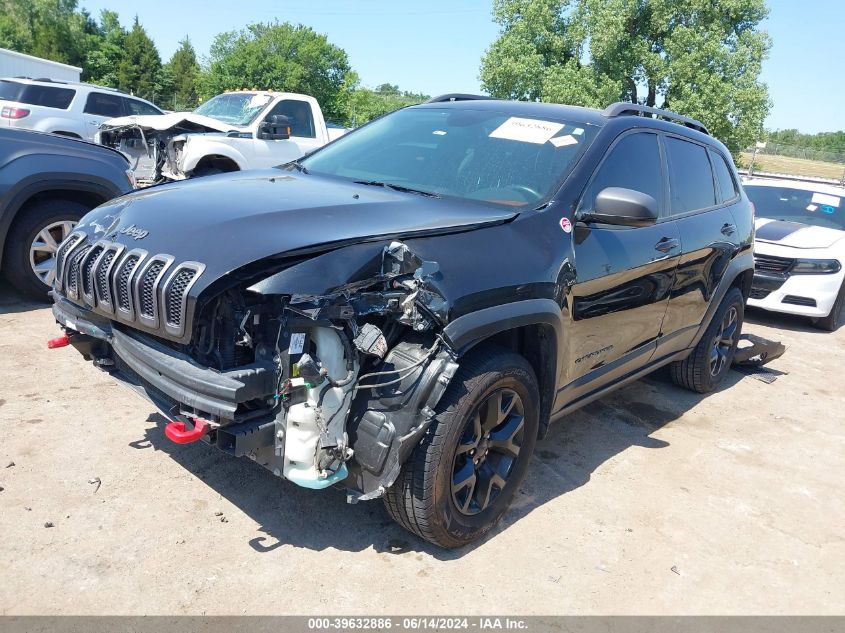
x=436, y=46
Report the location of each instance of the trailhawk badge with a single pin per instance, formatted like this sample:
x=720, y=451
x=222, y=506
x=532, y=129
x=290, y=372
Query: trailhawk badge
x=134, y=232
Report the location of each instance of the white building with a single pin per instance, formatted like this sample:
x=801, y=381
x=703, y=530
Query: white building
x=13, y=64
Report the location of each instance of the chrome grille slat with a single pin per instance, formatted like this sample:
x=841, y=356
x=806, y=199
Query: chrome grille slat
x=174, y=296
x=86, y=273
x=72, y=283
x=69, y=244
x=145, y=289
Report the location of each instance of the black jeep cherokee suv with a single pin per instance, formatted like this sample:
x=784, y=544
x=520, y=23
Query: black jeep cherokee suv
x=404, y=311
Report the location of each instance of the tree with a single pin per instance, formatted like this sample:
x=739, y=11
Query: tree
x=139, y=69
x=52, y=29
x=701, y=58
x=105, y=51
x=184, y=70
x=280, y=56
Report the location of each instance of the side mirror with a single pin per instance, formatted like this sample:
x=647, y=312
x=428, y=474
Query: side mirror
x=623, y=207
x=275, y=128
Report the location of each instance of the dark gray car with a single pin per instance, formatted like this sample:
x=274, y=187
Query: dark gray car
x=47, y=183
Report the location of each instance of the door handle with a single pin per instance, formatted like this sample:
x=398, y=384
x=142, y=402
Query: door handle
x=728, y=229
x=667, y=244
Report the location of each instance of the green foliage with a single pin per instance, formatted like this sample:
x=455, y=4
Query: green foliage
x=52, y=29
x=280, y=56
x=832, y=142
x=701, y=58
x=139, y=70
x=365, y=104
x=105, y=52
x=184, y=71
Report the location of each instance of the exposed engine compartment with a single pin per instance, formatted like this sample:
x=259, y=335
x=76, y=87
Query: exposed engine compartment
x=318, y=388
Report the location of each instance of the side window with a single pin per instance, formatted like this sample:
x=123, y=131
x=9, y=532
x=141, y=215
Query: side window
x=47, y=96
x=690, y=176
x=102, y=104
x=299, y=115
x=133, y=106
x=725, y=184
x=633, y=163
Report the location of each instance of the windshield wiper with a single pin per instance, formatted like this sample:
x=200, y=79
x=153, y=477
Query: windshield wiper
x=387, y=185
x=299, y=166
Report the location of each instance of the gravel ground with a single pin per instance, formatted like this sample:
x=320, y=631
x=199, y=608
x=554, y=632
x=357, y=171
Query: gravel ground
x=652, y=500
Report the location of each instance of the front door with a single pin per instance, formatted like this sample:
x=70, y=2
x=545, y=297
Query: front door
x=303, y=136
x=622, y=274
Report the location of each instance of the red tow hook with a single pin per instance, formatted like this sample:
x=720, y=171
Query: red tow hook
x=59, y=341
x=175, y=431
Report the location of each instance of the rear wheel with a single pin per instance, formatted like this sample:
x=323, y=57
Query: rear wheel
x=461, y=478
x=833, y=320
x=708, y=363
x=29, y=260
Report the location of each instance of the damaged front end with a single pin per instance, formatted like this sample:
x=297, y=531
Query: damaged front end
x=155, y=149
x=320, y=376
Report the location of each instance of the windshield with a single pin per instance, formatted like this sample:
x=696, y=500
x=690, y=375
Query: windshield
x=235, y=108
x=471, y=154
x=798, y=205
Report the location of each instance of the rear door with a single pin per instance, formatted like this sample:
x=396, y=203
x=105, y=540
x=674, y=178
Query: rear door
x=700, y=201
x=623, y=274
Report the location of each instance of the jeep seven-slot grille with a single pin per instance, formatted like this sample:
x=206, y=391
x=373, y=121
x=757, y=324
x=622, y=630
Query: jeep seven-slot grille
x=149, y=291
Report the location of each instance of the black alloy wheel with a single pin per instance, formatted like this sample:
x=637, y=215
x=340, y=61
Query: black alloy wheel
x=487, y=451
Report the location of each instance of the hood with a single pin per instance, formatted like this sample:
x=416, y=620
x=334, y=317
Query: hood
x=795, y=234
x=230, y=220
x=168, y=121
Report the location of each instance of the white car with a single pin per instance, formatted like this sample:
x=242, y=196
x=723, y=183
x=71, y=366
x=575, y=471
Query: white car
x=799, y=249
x=65, y=108
x=230, y=132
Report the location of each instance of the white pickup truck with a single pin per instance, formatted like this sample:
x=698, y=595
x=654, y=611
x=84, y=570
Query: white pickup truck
x=230, y=132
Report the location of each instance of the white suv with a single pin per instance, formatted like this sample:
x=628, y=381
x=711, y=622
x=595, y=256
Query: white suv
x=799, y=249
x=69, y=109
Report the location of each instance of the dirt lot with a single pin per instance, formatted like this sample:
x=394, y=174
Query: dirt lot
x=653, y=500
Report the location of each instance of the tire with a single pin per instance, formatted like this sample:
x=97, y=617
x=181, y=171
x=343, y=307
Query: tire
x=833, y=321
x=423, y=499
x=59, y=214
x=697, y=371
x=206, y=171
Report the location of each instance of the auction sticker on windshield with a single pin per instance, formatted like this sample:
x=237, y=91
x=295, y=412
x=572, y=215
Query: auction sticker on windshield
x=526, y=130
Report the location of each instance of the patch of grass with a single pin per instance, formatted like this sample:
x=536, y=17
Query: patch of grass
x=794, y=166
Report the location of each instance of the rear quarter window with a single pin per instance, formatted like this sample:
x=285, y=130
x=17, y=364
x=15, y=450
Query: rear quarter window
x=38, y=95
x=726, y=188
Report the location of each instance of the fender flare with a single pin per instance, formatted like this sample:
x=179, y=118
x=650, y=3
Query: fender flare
x=740, y=264
x=468, y=330
x=35, y=184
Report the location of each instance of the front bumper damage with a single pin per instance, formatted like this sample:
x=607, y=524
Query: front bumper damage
x=305, y=410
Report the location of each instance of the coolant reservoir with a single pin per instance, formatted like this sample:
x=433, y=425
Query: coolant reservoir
x=302, y=432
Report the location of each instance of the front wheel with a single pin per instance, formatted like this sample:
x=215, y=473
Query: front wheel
x=708, y=363
x=461, y=478
x=832, y=321
x=29, y=261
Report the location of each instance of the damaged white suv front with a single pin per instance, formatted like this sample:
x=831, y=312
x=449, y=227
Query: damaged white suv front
x=230, y=132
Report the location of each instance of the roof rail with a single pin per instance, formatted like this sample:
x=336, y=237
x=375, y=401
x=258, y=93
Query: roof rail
x=457, y=96
x=635, y=109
